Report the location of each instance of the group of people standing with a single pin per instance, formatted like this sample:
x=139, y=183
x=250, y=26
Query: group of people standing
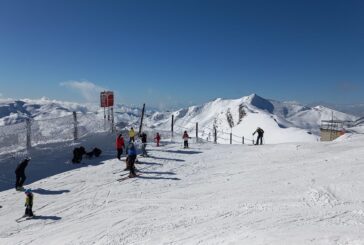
x=130, y=149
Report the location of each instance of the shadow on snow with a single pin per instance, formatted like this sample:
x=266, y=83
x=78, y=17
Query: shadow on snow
x=52, y=159
x=181, y=151
x=157, y=178
x=49, y=192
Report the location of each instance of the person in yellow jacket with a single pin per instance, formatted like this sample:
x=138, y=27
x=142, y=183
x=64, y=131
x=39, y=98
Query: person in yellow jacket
x=28, y=203
x=131, y=135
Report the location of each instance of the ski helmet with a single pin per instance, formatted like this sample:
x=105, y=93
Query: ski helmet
x=28, y=191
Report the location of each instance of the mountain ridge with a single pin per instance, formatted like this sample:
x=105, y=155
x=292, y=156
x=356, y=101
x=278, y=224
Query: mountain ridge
x=240, y=116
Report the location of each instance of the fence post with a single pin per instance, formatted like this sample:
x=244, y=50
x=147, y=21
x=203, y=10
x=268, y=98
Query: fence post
x=231, y=138
x=215, y=135
x=197, y=132
x=243, y=140
x=29, y=133
x=112, y=120
x=172, y=126
x=75, y=131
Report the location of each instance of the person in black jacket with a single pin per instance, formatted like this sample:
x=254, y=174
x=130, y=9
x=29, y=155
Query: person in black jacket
x=20, y=174
x=78, y=152
x=144, y=144
x=260, y=135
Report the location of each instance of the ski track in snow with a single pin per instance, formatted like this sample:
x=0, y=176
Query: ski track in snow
x=306, y=193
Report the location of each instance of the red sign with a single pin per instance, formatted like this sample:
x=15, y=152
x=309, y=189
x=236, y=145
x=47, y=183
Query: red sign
x=106, y=99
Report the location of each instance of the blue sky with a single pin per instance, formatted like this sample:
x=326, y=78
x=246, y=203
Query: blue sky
x=176, y=53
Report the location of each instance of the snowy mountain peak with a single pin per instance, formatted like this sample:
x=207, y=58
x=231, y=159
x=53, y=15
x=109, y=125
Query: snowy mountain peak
x=259, y=102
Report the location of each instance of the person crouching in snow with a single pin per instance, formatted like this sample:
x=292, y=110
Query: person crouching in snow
x=28, y=203
x=185, y=138
x=157, y=138
x=132, y=153
x=119, y=145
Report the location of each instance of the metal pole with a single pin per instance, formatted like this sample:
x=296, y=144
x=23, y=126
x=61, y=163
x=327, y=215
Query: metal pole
x=29, y=133
x=172, y=124
x=197, y=132
x=141, y=120
x=243, y=140
x=105, y=118
x=75, y=131
x=231, y=138
x=112, y=120
x=215, y=135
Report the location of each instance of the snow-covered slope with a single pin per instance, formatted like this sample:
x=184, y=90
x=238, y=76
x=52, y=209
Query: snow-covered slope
x=307, y=193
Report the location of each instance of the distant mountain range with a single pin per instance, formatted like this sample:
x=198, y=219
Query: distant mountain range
x=282, y=121
x=353, y=109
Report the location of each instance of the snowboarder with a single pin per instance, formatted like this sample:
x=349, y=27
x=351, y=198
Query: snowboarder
x=157, y=139
x=120, y=145
x=132, y=153
x=185, y=138
x=131, y=135
x=28, y=203
x=260, y=135
x=144, y=144
x=20, y=174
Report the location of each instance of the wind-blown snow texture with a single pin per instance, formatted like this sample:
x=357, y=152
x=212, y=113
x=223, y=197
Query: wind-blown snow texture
x=306, y=193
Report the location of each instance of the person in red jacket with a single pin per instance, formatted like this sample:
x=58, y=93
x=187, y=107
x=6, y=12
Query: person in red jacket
x=157, y=138
x=120, y=145
x=185, y=138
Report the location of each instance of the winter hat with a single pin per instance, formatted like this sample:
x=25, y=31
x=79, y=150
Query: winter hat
x=28, y=191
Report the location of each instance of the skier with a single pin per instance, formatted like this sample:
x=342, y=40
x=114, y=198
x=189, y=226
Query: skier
x=20, y=175
x=131, y=159
x=28, y=203
x=260, y=135
x=157, y=139
x=185, y=138
x=131, y=134
x=119, y=145
x=144, y=144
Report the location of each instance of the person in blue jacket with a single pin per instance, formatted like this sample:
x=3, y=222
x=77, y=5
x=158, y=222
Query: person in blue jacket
x=132, y=154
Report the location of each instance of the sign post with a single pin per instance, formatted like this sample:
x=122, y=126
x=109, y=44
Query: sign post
x=107, y=101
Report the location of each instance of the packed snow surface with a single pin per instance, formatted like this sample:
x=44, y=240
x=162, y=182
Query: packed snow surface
x=293, y=193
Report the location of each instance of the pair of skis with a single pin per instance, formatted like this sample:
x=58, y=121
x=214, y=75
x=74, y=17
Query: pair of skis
x=125, y=177
x=24, y=218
